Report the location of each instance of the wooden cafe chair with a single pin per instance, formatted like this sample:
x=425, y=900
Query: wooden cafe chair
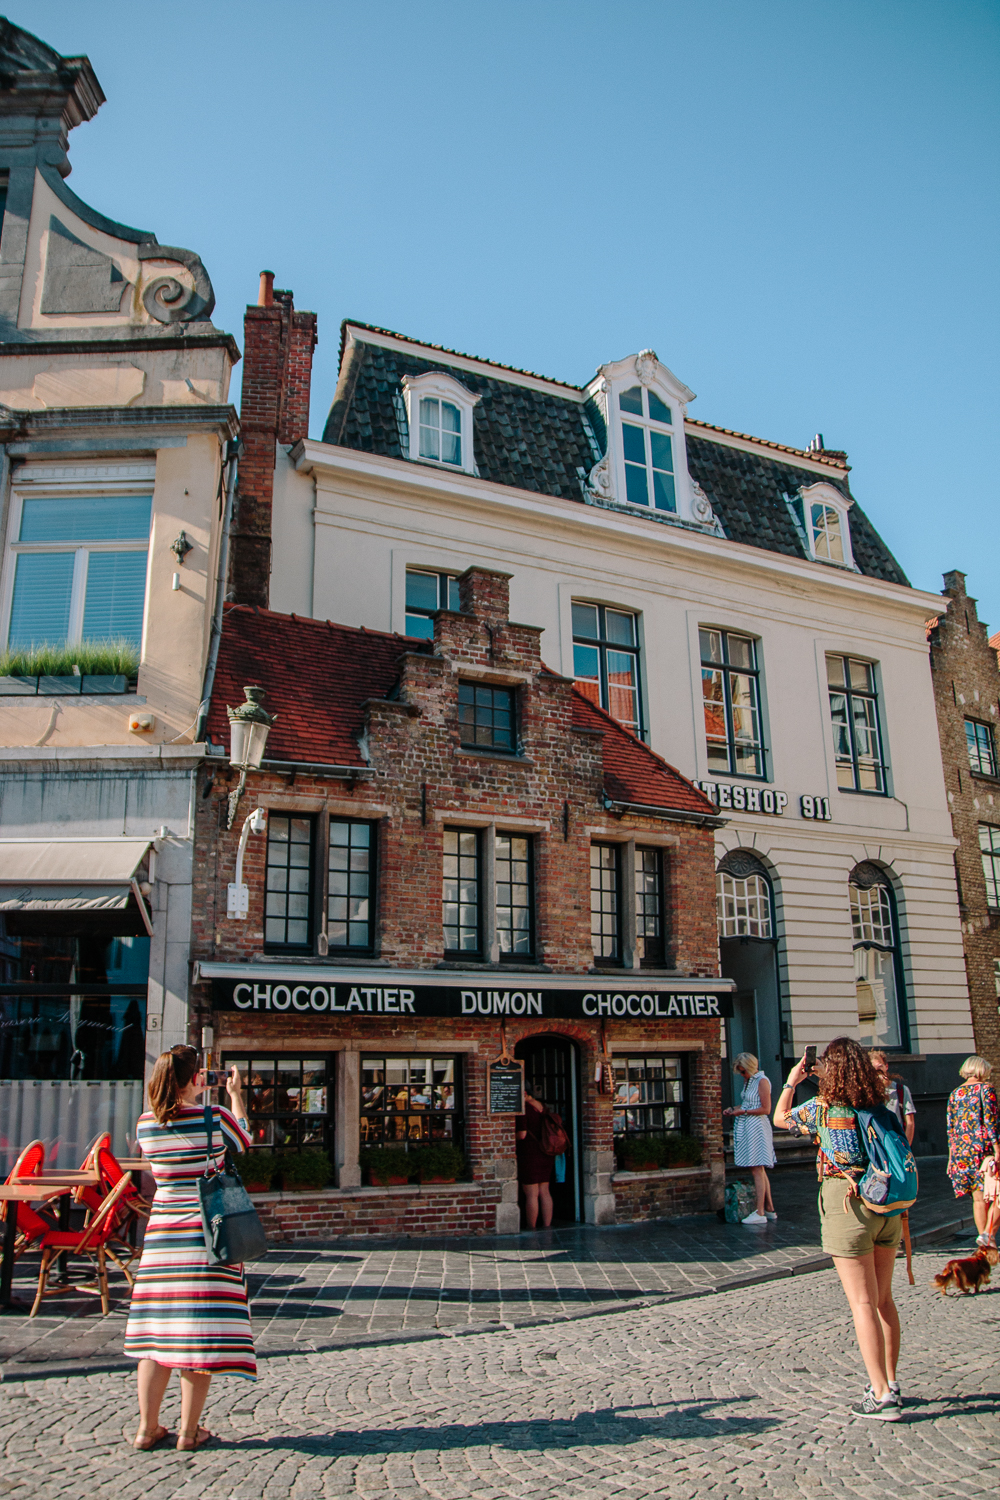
x=31, y=1225
x=91, y=1242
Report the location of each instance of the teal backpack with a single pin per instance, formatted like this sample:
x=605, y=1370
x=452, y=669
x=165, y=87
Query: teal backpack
x=890, y=1185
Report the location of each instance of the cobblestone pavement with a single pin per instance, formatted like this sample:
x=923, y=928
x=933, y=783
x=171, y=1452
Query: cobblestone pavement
x=741, y=1394
x=356, y=1292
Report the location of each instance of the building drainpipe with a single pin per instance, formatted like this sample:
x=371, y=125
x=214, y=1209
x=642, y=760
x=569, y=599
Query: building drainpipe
x=233, y=449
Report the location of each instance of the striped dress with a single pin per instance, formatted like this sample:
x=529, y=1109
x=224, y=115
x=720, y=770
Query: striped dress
x=753, y=1140
x=186, y=1313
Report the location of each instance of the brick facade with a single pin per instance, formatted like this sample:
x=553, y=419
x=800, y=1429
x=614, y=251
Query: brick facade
x=416, y=780
x=967, y=687
x=278, y=345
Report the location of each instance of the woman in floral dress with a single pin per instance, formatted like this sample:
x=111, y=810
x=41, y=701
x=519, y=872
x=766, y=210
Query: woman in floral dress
x=973, y=1134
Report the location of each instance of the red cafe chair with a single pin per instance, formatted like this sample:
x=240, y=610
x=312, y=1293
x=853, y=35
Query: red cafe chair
x=132, y=1207
x=92, y=1242
x=31, y=1225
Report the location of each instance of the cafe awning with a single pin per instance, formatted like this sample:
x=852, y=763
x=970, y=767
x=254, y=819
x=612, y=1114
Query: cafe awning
x=69, y=874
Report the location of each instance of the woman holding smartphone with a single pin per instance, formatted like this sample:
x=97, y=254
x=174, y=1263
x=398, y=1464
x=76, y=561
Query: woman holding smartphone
x=186, y=1314
x=863, y=1244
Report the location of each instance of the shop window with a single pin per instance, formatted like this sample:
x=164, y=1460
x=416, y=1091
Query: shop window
x=287, y=1098
x=989, y=847
x=351, y=888
x=79, y=569
x=486, y=717
x=407, y=1101
x=514, y=899
x=651, y=1096
x=288, y=902
x=649, y=936
x=606, y=661
x=730, y=685
x=648, y=449
x=981, y=747
x=426, y=593
x=878, y=972
x=857, y=741
x=605, y=905
x=744, y=905
x=461, y=890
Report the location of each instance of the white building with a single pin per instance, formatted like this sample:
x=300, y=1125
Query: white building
x=723, y=595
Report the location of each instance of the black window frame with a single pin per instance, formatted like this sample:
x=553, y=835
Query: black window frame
x=727, y=670
x=256, y=1056
x=602, y=645
x=525, y=954
x=851, y=693
x=863, y=878
x=603, y=960
x=446, y=600
x=659, y=958
x=478, y=690
x=477, y=834
x=372, y=824
x=624, y=1061
x=456, y=1114
x=991, y=863
x=982, y=732
x=272, y=945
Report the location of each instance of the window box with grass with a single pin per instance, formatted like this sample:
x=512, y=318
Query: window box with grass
x=89, y=667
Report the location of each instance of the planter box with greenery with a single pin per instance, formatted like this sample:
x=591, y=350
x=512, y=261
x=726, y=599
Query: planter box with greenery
x=438, y=1163
x=87, y=667
x=257, y=1169
x=648, y=1153
x=304, y=1171
x=387, y=1166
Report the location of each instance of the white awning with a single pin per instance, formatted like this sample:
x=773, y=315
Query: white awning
x=68, y=874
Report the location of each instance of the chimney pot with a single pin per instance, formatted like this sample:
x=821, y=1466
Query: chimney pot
x=265, y=297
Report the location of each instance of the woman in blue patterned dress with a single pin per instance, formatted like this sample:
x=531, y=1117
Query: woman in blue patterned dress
x=186, y=1314
x=973, y=1134
x=753, y=1141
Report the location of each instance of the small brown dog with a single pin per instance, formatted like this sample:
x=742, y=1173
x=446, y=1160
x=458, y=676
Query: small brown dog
x=968, y=1274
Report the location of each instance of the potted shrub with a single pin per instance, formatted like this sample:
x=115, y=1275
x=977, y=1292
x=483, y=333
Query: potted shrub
x=441, y=1162
x=304, y=1171
x=641, y=1153
x=682, y=1151
x=387, y=1166
x=257, y=1169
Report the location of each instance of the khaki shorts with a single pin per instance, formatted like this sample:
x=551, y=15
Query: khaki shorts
x=857, y=1231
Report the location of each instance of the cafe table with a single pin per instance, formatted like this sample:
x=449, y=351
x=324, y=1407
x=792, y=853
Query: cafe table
x=38, y=1189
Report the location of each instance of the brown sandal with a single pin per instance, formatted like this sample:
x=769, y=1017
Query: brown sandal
x=161, y=1434
x=187, y=1444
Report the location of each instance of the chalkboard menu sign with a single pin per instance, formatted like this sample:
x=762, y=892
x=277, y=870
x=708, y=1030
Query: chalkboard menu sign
x=506, y=1088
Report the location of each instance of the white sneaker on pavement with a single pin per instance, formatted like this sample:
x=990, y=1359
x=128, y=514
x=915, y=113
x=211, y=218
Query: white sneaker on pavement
x=754, y=1218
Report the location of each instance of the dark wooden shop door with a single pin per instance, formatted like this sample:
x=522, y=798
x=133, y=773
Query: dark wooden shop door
x=551, y=1069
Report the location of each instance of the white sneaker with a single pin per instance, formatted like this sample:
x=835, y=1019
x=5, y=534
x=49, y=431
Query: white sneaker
x=754, y=1218
x=770, y=1215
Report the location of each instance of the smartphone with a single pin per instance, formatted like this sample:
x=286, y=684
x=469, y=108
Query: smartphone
x=810, y=1059
x=214, y=1080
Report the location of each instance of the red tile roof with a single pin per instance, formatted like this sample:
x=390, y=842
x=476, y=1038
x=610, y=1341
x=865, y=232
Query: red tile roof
x=633, y=772
x=316, y=675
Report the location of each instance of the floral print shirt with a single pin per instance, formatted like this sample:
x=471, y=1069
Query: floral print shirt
x=973, y=1131
x=837, y=1129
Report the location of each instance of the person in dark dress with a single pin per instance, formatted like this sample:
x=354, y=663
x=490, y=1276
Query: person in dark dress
x=534, y=1167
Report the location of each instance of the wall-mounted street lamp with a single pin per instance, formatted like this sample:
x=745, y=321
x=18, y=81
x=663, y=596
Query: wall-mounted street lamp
x=249, y=726
x=238, y=895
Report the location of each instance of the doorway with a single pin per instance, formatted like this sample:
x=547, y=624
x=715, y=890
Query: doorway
x=552, y=1072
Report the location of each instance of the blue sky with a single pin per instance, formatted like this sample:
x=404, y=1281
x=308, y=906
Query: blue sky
x=794, y=203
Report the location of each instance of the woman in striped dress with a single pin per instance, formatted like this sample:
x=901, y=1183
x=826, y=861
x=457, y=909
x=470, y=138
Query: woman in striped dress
x=186, y=1314
x=753, y=1140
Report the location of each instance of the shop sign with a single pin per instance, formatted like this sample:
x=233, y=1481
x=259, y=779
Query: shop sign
x=506, y=1088
x=763, y=799
x=289, y=997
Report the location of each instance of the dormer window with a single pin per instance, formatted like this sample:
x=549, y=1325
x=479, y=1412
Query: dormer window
x=648, y=449
x=439, y=417
x=821, y=510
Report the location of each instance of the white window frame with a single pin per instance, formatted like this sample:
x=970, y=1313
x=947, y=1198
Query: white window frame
x=436, y=384
x=827, y=495
x=52, y=483
x=647, y=371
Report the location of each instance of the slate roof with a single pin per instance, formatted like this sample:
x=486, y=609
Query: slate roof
x=538, y=440
x=319, y=675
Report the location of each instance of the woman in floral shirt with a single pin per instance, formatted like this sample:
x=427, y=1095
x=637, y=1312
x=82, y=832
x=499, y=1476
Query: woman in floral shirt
x=973, y=1134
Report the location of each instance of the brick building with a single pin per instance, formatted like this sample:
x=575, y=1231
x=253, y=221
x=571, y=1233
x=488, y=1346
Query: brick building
x=458, y=843
x=967, y=695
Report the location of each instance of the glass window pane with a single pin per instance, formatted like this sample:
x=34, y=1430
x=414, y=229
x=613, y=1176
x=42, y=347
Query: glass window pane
x=451, y=417
x=862, y=676
x=661, y=448
x=43, y=587
x=619, y=627
x=835, y=671
x=741, y=652
x=420, y=626
x=86, y=518
x=421, y=590
x=658, y=410
x=711, y=645
x=664, y=491
x=623, y=688
x=587, y=672
x=631, y=400
x=116, y=594
x=636, y=487
x=585, y=621
x=634, y=440
x=454, y=601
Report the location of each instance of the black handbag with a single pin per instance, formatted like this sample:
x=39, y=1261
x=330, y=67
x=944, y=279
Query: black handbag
x=233, y=1232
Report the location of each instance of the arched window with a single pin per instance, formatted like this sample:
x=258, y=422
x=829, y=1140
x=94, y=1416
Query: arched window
x=878, y=973
x=743, y=897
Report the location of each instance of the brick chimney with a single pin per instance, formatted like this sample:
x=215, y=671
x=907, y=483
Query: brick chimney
x=278, y=345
